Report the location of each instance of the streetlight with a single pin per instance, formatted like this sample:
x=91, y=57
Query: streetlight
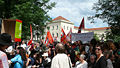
x=37, y=32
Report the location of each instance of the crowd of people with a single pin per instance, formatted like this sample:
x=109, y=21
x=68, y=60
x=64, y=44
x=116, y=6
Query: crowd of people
x=92, y=54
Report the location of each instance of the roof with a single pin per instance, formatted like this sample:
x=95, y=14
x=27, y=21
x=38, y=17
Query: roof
x=101, y=28
x=60, y=18
x=76, y=27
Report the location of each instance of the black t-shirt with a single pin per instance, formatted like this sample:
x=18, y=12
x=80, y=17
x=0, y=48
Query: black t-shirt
x=101, y=63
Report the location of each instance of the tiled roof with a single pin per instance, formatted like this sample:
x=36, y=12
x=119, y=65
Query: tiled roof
x=60, y=18
x=101, y=28
x=76, y=27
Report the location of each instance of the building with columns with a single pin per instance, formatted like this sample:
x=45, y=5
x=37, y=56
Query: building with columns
x=59, y=22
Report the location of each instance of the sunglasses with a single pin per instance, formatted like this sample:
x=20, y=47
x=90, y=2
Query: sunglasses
x=97, y=49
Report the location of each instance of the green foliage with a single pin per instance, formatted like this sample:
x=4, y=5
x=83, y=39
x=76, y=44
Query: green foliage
x=29, y=11
x=109, y=11
x=115, y=38
x=96, y=37
x=48, y=28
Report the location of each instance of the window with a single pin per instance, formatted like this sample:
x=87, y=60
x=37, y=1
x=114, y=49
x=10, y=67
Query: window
x=53, y=27
x=57, y=27
x=67, y=27
x=48, y=28
x=57, y=34
x=53, y=34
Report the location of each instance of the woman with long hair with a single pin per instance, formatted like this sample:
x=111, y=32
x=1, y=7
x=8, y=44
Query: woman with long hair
x=19, y=59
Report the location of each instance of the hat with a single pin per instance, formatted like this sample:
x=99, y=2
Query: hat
x=45, y=54
x=5, y=39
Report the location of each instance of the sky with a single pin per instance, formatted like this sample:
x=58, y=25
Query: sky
x=75, y=10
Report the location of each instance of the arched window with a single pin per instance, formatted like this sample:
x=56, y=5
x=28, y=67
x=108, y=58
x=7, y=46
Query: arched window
x=57, y=27
x=53, y=34
x=53, y=27
x=67, y=27
x=57, y=34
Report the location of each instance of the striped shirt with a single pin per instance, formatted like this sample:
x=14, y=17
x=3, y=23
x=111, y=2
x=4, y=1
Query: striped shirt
x=3, y=60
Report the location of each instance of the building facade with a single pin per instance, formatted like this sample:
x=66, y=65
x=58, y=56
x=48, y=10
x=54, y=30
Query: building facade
x=59, y=22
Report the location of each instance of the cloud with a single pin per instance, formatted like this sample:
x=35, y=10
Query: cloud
x=75, y=10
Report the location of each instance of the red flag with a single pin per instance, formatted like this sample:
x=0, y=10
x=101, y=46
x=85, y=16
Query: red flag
x=49, y=38
x=31, y=35
x=81, y=26
x=69, y=35
x=31, y=31
x=29, y=42
x=63, y=36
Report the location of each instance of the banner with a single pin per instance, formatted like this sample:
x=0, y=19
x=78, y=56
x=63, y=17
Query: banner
x=82, y=36
x=18, y=30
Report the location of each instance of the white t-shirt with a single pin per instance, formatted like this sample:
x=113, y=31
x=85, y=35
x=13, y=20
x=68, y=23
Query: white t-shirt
x=109, y=63
x=3, y=60
x=61, y=61
x=82, y=65
x=23, y=45
x=9, y=49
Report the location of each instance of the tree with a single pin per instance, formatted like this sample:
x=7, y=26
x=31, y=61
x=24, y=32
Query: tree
x=96, y=37
x=109, y=11
x=29, y=11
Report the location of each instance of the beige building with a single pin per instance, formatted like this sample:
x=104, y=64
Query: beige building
x=59, y=22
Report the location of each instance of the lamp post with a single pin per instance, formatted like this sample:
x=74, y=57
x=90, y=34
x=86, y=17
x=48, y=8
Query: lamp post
x=37, y=32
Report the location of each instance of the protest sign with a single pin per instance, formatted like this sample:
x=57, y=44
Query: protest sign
x=82, y=36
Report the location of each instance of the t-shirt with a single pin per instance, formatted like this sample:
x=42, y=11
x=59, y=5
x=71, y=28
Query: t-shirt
x=109, y=63
x=9, y=49
x=101, y=63
x=83, y=65
x=3, y=60
x=23, y=45
x=61, y=61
